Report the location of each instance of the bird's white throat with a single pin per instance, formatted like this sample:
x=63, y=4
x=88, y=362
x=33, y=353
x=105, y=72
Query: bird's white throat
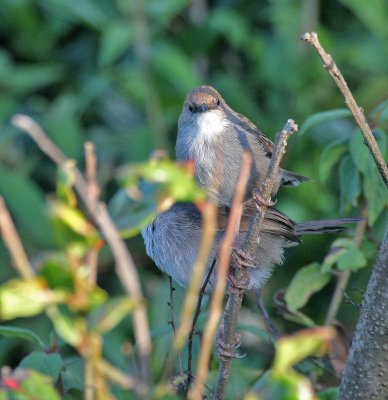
x=209, y=124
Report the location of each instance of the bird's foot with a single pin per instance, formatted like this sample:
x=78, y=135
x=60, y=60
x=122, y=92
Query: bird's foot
x=227, y=351
x=260, y=200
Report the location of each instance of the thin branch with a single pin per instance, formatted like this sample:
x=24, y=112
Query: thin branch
x=125, y=266
x=344, y=276
x=358, y=112
x=172, y=321
x=251, y=241
x=222, y=272
x=194, y=324
x=93, y=193
x=14, y=244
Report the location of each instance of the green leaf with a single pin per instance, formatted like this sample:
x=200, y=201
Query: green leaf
x=294, y=348
x=113, y=312
x=150, y=187
x=63, y=125
x=375, y=192
x=373, y=14
x=287, y=386
x=47, y=364
x=304, y=284
x=132, y=215
x=359, y=151
x=65, y=182
x=21, y=333
x=229, y=23
x=324, y=116
x=38, y=383
x=346, y=255
x=75, y=220
x=349, y=181
x=175, y=67
x=329, y=394
x=26, y=298
x=28, y=205
x=116, y=38
x=70, y=329
x=329, y=157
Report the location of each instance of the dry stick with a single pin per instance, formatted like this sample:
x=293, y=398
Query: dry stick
x=14, y=244
x=358, y=112
x=215, y=312
x=251, y=241
x=125, y=267
x=343, y=277
x=93, y=193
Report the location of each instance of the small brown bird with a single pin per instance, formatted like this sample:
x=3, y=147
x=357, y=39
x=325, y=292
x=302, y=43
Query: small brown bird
x=214, y=136
x=172, y=240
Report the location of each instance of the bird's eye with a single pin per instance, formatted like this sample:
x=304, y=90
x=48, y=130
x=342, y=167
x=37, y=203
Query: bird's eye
x=191, y=108
x=218, y=102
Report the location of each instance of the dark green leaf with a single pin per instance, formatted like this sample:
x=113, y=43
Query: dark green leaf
x=323, y=116
x=349, y=181
x=28, y=205
x=329, y=394
x=48, y=364
x=359, y=151
x=21, y=333
x=375, y=192
x=329, y=157
x=304, y=284
x=116, y=38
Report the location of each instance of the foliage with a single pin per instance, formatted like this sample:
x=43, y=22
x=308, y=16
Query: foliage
x=116, y=73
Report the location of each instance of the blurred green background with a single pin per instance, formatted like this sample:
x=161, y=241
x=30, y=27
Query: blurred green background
x=116, y=73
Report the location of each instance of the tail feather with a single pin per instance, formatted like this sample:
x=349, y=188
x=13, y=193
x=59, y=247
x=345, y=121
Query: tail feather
x=324, y=226
x=292, y=179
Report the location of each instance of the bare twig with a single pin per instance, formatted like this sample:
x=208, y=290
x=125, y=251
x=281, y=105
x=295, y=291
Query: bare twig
x=125, y=267
x=14, y=244
x=93, y=193
x=251, y=240
x=172, y=320
x=358, y=112
x=222, y=272
x=271, y=327
x=194, y=324
x=344, y=276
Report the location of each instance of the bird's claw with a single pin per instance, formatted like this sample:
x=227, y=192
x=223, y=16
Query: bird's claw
x=261, y=201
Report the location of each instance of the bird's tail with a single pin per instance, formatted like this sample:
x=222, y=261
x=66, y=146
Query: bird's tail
x=292, y=179
x=324, y=226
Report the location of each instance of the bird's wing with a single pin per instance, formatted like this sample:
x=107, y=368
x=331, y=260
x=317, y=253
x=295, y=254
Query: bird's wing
x=275, y=222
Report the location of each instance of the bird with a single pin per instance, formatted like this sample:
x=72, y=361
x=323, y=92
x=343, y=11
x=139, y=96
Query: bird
x=214, y=137
x=172, y=240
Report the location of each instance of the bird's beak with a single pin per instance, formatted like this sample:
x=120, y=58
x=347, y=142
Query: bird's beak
x=203, y=107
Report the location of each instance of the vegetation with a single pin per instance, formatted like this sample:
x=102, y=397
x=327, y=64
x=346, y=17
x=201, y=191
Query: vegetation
x=115, y=74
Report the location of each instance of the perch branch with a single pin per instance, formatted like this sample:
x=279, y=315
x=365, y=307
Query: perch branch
x=125, y=266
x=249, y=246
x=358, y=112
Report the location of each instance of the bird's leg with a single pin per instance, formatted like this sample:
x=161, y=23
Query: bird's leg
x=227, y=351
x=242, y=260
